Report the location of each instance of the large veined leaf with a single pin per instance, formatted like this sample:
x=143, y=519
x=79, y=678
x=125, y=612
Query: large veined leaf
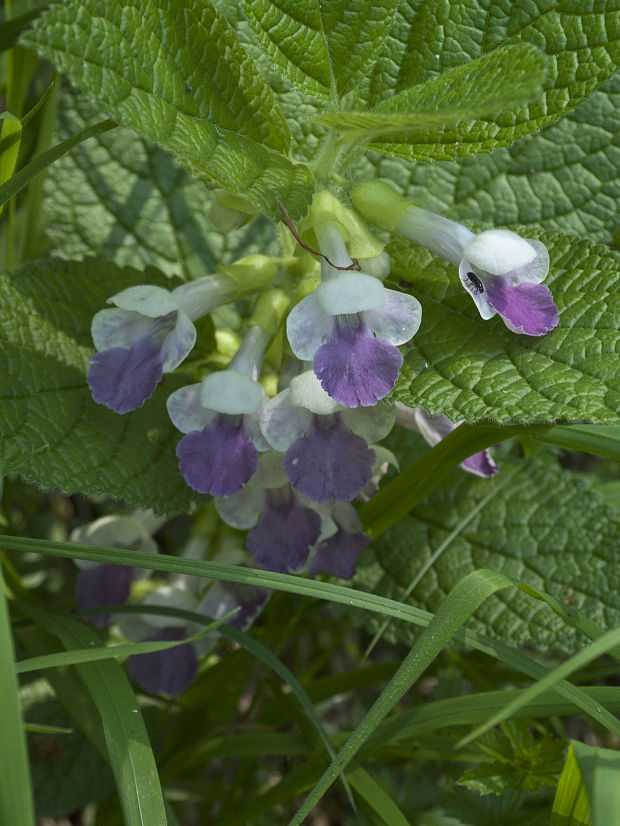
x=564, y=178
x=327, y=47
x=175, y=73
x=53, y=432
x=472, y=369
x=501, y=80
x=120, y=197
x=426, y=39
x=536, y=523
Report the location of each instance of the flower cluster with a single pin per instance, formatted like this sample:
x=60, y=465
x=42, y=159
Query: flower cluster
x=285, y=463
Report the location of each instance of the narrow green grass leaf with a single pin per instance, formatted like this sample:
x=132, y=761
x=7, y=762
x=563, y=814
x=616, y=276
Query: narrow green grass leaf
x=41, y=162
x=10, y=141
x=98, y=654
x=570, y=804
x=363, y=600
x=605, y=643
x=377, y=798
x=600, y=770
x=41, y=728
x=454, y=611
x=471, y=709
x=415, y=482
x=127, y=740
x=16, y=801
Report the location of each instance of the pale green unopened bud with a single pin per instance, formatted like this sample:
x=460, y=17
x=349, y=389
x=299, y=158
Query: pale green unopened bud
x=270, y=310
x=380, y=203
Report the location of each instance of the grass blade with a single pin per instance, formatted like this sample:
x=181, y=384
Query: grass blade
x=16, y=801
x=600, y=770
x=98, y=654
x=41, y=162
x=571, y=806
x=458, y=606
x=305, y=587
x=377, y=798
x=130, y=752
x=607, y=641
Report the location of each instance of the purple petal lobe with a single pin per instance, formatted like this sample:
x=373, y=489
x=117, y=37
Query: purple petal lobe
x=527, y=308
x=283, y=535
x=356, y=368
x=102, y=585
x=481, y=464
x=329, y=463
x=338, y=554
x=166, y=672
x=218, y=459
x=124, y=379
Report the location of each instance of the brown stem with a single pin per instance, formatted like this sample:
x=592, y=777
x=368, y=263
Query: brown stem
x=285, y=216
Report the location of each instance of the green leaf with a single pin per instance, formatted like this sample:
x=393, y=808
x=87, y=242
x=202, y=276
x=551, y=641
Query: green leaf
x=325, y=48
x=126, y=737
x=467, y=368
x=600, y=770
x=501, y=80
x=178, y=76
x=120, y=197
x=545, y=528
x=16, y=804
x=53, y=432
x=519, y=760
x=570, y=804
x=563, y=178
x=583, y=46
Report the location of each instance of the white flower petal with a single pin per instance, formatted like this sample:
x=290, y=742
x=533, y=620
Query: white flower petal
x=398, y=320
x=371, y=423
x=118, y=328
x=115, y=531
x=308, y=327
x=499, y=251
x=178, y=344
x=350, y=293
x=146, y=299
x=231, y=392
x=282, y=423
x=475, y=287
x=241, y=510
x=186, y=410
x=306, y=391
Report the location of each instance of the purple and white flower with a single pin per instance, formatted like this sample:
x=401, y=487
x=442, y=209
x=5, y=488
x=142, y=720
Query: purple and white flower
x=282, y=525
x=341, y=541
x=108, y=584
x=499, y=269
x=173, y=670
x=327, y=457
x=149, y=333
x=350, y=326
x=437, y=427
x=220, y=417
